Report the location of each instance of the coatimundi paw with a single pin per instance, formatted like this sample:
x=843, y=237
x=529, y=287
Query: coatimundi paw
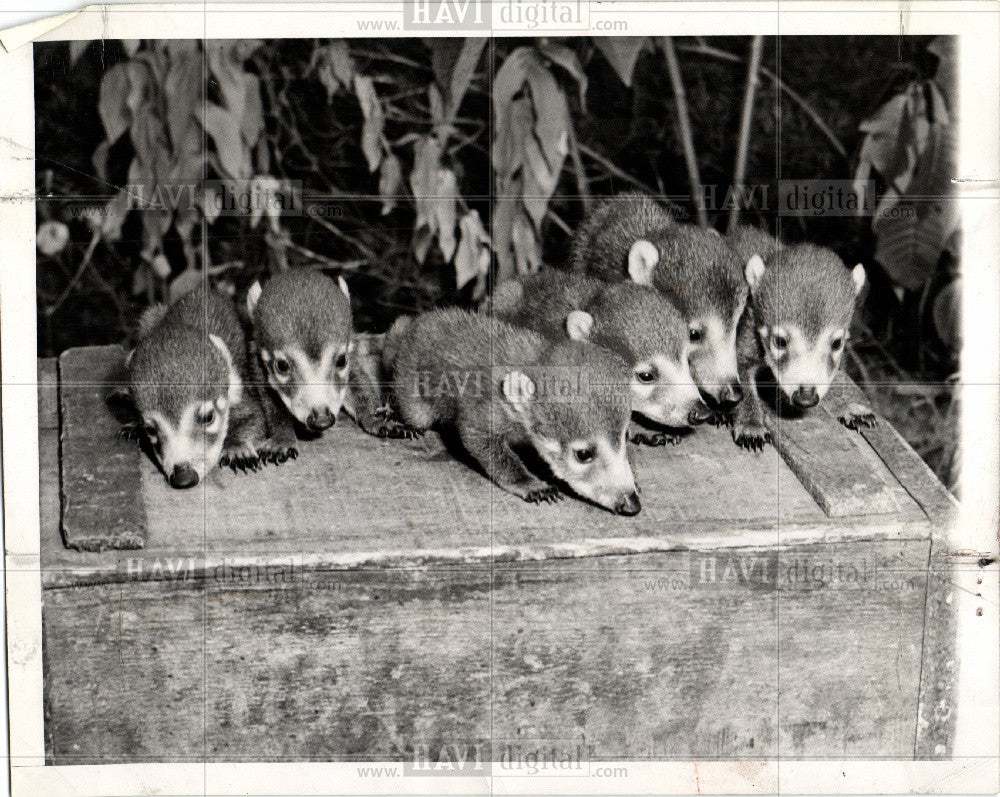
x=543, y=495
x=242, y=457
x=858, y=415
x=751, y=436
x=276, y=450
x=654, y=439
x=397, y=430
x=717, y=418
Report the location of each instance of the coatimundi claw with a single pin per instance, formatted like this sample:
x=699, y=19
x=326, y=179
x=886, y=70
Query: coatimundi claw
x=545, y=495
x=752, y=437
x=858, y=415
x=654, y=439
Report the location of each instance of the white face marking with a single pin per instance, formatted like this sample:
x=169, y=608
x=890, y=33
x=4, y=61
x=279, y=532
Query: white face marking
x=304, y=385
x=671, y=397
x=798, y=362
x=235, y=392
x=605, y=478
x=192, y=442
x=713, y=357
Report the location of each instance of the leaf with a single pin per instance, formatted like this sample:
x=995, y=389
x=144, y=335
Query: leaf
x=885, y=147
x=527, y=258
x=184, y=91
x=185, y=282
x=253, y=116
x=946, y=76
x=622, y=52
x=510, y=79
x=390, y=182
x=445, y=211
x=437, y=105
x=112, y=106
x=131, y=46
x=463, y=72
x=539, y=183
x=947, y=313
x=551, y=115
x=511, y=133
x=472, y=259
x=339, y=56
x=505, y=207
x=426, y=162
x=566, y=58
x=224, y=130
x=78, y=48
x=371, y=109
x=114, y=215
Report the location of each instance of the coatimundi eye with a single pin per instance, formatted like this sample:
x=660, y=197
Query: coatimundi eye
x=149, y=429
x=836, y=344
x=584, y=455
x=341, y=362
x=281, y=366
x=694, y=334
x=780, y=342
x=646, y=375
x=206, y=416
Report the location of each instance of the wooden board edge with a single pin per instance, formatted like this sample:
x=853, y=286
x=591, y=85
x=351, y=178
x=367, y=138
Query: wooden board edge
x=121, y=568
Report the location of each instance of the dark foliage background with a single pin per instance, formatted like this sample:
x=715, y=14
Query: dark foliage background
x=422, y=169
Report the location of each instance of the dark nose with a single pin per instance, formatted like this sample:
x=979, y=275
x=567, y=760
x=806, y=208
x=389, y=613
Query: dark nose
x=701, y=413
x=182, y=477
x=628, y=506
x=805, y=397
x=730, y=395
x=319, y=420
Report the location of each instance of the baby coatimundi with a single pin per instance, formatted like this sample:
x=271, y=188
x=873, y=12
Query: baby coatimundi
x=502, y=388
x=191, y=385
x=635, y=321
x=633, y=236
x=797, y=324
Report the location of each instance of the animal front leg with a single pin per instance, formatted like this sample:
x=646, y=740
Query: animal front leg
x=646, y=437
x=748, y=424
x=507, y=471
x=246, y=433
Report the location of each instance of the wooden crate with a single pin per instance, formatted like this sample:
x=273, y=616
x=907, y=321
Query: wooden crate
x=373, y=597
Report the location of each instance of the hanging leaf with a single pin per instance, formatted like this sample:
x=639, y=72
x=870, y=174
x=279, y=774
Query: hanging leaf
x=185, y=282
x=112, y=105
x=390, y=182
x=131, y=46
x=622, y=53
x=505, y=207
x=371, y=109
x=566, y=58
x=184, y=91
x=472, y=259
x=463, y=72
x=947, y=314
x=527, y=258
x=224, y=130
x=551, y=115
x=445, y=210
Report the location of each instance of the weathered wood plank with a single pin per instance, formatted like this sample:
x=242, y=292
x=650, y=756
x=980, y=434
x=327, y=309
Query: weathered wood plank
x=814, y=653
x=351, y=499
x=48, y=449
x=102, y=505
x=906, y=466
x=832, y=464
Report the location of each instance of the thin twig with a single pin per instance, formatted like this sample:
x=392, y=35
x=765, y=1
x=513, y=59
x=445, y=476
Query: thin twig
x=794, y=96
x=684, y=122
x=740, y=170
x=559, y=222
x=95, y=238
x=616, y=171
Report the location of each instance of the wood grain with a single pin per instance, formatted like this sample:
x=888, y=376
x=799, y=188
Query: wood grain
x=635, y=656
x=102, y=507
x=351, y=499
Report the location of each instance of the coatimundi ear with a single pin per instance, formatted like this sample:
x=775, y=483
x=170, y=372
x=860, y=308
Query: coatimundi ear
x=343, y=288
x=642, y=259
x=518, y=391
x=253, y=296
x=235, y=390
x=128, y=358
x=579, y=324
x=858, y=278
x=754, y=271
